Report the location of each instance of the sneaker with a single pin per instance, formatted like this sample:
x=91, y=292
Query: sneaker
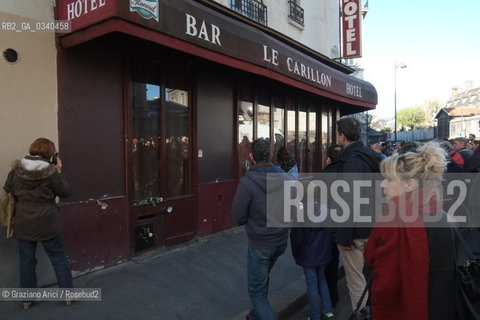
x=329, y=316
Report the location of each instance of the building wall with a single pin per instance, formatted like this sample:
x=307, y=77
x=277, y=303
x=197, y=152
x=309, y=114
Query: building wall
x=29, y=106
x=321, y=29
x=462, y=127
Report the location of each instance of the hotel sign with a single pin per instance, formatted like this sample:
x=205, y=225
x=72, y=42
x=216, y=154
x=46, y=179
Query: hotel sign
x=351, y=29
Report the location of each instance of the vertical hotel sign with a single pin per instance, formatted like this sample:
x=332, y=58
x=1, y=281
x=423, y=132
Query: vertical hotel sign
x=351, y=29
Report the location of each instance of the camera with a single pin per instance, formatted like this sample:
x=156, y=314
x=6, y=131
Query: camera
x=54, y=158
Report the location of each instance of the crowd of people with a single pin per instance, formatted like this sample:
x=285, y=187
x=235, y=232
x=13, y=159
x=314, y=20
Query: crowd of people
x=395, y=270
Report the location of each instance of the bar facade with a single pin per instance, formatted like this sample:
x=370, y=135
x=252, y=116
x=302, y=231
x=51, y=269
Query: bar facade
x=158, y=102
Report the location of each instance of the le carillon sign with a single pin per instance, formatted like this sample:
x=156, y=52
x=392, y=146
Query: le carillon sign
x=197, y=24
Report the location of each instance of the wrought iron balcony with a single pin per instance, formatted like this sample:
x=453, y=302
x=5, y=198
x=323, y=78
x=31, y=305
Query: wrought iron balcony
x=251, y=8
x=296, y=12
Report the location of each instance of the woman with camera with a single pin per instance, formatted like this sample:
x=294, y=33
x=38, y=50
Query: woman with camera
x=36, y=181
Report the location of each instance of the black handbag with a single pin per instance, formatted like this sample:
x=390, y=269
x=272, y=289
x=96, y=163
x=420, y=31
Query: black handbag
x=364, y=313
x=468, y=277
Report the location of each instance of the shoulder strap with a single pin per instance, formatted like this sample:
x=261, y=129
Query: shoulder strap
x=364, y=293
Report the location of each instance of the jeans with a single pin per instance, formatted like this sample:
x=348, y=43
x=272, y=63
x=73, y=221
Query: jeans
x=54, y=249
x=259, y=264
x=317, y=290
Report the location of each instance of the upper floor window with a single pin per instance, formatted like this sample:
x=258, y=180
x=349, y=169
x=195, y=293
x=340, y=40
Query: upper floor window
x=296, y=12
x=253, y=9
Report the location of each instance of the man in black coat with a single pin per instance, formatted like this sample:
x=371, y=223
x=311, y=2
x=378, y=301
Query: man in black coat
x=356, y=158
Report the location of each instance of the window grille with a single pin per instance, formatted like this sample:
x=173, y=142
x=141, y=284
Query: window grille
x=252, y=9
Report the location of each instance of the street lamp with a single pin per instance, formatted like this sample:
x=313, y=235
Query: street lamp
x=402, y=66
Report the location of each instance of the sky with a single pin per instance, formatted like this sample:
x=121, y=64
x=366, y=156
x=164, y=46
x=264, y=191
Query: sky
x=438, y=41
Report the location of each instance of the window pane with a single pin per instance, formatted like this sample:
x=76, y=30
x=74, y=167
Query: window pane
x=302, y=137
x=291, y=132
x=263, y=116
x=325, y=128
x=263, y=123
x=278, y=130
x=146, y=140
x=312, y=143
x=177, y=142
x=245, y=128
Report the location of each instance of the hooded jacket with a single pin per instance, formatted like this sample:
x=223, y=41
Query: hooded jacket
x=35, y=183
x=250, y=208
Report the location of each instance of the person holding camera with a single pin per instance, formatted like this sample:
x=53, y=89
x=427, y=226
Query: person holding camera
x=36, y=181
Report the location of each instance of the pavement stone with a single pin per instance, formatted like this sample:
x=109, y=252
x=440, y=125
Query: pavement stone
x=204, y=279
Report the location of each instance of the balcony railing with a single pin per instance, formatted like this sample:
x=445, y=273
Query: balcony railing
x=251, y=8
x=296, y=12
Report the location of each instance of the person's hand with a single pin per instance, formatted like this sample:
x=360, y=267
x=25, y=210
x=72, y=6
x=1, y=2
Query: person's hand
x=59, y=165
x=344, y=248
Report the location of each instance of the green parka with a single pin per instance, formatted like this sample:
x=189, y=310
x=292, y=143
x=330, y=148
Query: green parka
x=35, y=183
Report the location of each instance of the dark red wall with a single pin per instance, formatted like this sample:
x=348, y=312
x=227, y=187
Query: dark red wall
x=91, y=131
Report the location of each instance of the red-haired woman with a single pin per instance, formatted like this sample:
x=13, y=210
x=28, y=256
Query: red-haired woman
x=36, y=181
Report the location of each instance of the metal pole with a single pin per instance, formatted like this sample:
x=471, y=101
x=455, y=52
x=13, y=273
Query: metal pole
x=395, y=102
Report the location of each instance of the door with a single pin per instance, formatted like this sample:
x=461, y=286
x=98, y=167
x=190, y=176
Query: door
x=162, y=199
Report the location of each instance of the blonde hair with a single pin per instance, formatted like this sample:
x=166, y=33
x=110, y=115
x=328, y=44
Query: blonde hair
x=426, y=166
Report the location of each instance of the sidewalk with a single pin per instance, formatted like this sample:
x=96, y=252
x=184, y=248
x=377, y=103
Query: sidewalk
x=201, y=280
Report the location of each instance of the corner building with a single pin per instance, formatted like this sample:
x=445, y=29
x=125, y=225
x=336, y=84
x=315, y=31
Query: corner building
x=158, y=103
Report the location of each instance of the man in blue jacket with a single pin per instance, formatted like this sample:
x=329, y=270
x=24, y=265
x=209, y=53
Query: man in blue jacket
x=265, y=244
x=356, y=158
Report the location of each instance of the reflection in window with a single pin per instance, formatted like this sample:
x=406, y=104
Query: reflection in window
x=245, y=128
x=312, y=143
x=325, y=126
x=263, y=115
x=145, y=141
x=177, y=142
x=278, y=130
x=291, y=132
x=302, y=138
x=263, y=122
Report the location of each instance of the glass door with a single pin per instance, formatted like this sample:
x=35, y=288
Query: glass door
x=162, y=198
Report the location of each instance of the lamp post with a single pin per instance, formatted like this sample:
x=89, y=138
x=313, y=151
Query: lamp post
x=402, y=66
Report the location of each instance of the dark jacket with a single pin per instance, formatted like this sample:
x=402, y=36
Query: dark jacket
x=442, y=295
x=356, y=158
x=250, y=208
x=311, y=247
x=331, y=168
x=35, y=183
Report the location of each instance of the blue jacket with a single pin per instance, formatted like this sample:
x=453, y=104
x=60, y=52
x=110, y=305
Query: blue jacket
x=311, y=247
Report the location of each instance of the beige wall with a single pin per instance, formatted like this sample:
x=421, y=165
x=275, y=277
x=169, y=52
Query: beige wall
x=28, y=88
x=28, y=109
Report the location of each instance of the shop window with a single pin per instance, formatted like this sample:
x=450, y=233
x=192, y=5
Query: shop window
x=160, y=133
x=146, y=140
x=312, y=141
x=302, y=140
x=263, y=116
x=291, y=129
x=278, y=114
x=245, y=126
x=325, y=140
